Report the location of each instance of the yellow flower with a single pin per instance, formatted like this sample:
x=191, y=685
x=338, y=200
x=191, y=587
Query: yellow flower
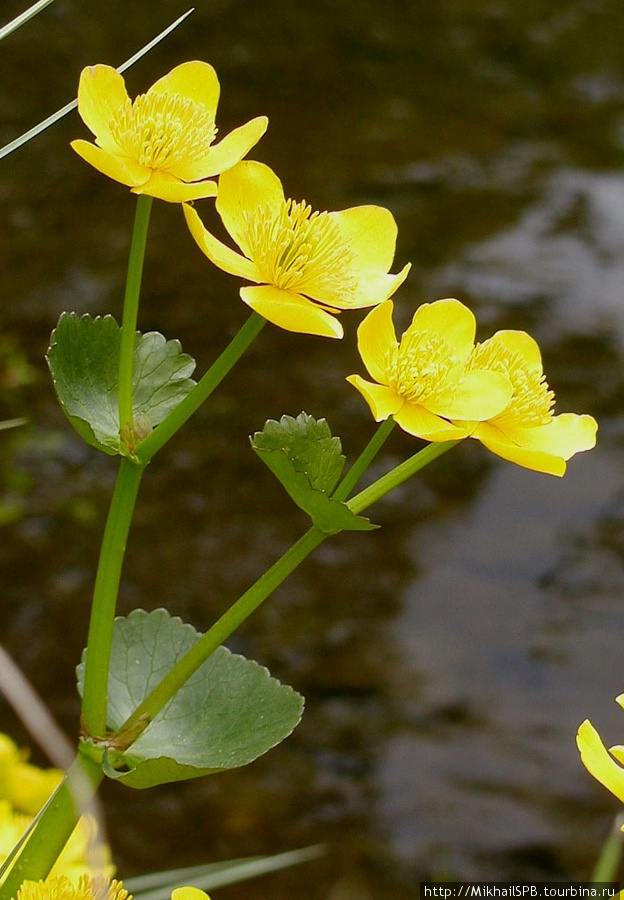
x=423, y=380
x=61, y=888
x=25, y=786
x=596, y=758
x=72, y=863
x=24, y=789
x=188, y=893
x=306, y=265
x=160, y=144
x=527, y=432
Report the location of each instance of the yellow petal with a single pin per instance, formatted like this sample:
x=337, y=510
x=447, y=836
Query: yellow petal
x=195, y=80
x=244, y=187
x=597, y=761
x=291, y=311
x=101, y=93
x=118, y=168
x=564, y=435
x=167, y=187
x=417, y=420
x=375, y=336
x=229, y=151
x=451, y=320
x=188, y=893
x=371, y=234
x=492, y=438
x=383, y=400
x=371, y=289
x=223, y=257
x=474, y=396
x=521, y=343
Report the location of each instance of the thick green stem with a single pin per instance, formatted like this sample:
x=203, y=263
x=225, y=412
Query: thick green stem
x=105, y=597
x=131, y=308
x=54, y=825
x=364, y=460
x=202, y=390
x=257, y=593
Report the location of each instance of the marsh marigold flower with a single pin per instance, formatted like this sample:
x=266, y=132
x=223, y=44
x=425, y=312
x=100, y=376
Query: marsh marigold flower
x=600, y=762
x=160, y=144
x=423, y=380
x=305, y=265
x=527, y=432
x=61, y=888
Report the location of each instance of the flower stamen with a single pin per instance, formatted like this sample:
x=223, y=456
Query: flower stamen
x=532, y=402
x=300, y=250
x=163, y=130
x=421, y=366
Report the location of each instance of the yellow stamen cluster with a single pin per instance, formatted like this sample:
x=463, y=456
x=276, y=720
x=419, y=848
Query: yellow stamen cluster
x=299, y=249
x=163, y=130
x=61, y=888
x=532, y=401
x=420, y=366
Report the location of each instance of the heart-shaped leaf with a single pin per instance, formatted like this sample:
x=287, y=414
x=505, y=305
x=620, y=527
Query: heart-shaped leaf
x=308, y=461
x=226, y=715
x=84, y=361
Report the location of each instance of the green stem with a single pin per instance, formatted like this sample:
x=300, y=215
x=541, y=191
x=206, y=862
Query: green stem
x=131, y=308
x=221, y=630
x=397, y=476
x=266, y=584
x=105, y=597
x=364, y=460
x=53, y=825
x=202, y=390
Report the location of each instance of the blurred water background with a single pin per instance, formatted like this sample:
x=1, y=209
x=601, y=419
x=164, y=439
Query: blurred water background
x=448, y=658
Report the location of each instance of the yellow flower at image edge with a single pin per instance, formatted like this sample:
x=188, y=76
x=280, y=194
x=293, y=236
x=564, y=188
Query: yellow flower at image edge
x=527, y=432
x=423, y=380
x=25, y=786
x=91, y=888
x=600, y=762
x=61, y=888
x=306, y=266
x=162, y=143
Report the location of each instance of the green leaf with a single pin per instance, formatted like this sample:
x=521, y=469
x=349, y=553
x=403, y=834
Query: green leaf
x=308, y=461
x=226, y=715
x=84, y=362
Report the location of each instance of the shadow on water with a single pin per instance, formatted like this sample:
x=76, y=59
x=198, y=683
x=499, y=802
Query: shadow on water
x=448, y=658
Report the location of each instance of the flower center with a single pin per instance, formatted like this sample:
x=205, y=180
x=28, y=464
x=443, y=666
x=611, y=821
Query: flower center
x=160, y=131
x=300, y=250
x=61, y=888
x=421, y=366
x=532, y=400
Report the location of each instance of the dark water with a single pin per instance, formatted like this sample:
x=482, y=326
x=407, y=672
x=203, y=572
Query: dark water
x=448, y=658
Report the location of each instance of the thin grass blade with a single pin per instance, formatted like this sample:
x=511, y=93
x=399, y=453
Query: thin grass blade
x=37, y=129
x=15, y=23
x=158, y=885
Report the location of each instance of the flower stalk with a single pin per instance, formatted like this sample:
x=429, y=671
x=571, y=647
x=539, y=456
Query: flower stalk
x=234, y=617
x=202, y=390
x=131, y=308
x=105, y=597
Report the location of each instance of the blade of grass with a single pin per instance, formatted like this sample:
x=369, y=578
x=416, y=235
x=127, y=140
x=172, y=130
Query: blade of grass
x=215, y=875
x=15, y=23
x=37, y=129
